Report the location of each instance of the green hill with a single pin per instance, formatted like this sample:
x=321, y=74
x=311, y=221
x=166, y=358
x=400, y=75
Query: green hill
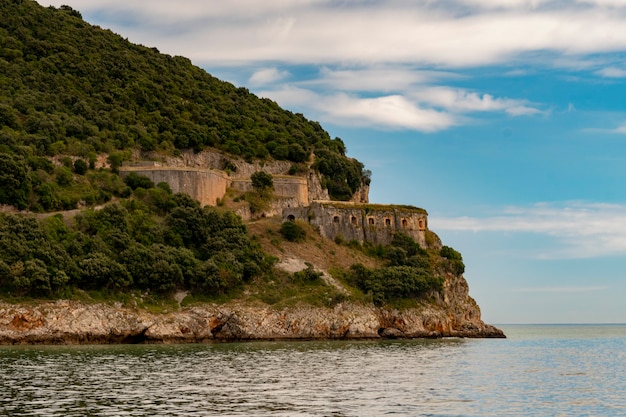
x=70, y=88
x=71, y=92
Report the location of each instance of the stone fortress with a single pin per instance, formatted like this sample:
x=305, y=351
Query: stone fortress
x=374, y=223
x=208, y=175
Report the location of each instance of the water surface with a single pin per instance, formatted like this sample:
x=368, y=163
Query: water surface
x=538, y=371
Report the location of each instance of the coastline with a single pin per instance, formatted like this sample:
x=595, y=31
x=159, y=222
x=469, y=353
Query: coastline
x=65, y=322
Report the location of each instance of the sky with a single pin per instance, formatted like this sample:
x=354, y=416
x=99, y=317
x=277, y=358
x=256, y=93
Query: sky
x=504, y=119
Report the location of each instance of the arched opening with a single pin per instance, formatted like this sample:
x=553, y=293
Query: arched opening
x=405, y=223
x=336, y=219
x=371, y=221
x=353, y=220
x=422, y=224
x=387, y=222
x=291, y=218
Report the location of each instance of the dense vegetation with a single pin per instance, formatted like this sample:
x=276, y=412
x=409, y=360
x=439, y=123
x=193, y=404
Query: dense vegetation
x=410, y=270
x=69, y=88
x=71, y=92
x=155, y=242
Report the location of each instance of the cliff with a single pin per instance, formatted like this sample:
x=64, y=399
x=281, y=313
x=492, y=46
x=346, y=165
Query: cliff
x=68, y=322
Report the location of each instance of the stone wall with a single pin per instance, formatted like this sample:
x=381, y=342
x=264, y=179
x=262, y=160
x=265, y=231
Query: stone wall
x=295, y=188
x=203, y=185
x=208, y=185
x=374, y=223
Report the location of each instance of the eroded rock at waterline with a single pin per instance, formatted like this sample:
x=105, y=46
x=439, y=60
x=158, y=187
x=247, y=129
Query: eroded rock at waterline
x=69, y=322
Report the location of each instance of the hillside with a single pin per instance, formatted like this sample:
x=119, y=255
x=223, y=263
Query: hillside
x=68, y=88
x=77, y=101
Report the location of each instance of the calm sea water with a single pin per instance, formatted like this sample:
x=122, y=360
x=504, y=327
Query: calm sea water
x=538, y=371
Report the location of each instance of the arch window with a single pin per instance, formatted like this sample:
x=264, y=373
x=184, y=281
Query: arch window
x=371, y=221
x=405, y=223
x=387, y=222
x=336, y=219
x=291, y=218
x=353, y=220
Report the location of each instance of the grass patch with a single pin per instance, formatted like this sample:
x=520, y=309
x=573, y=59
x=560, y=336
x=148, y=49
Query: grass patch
x=282, y=289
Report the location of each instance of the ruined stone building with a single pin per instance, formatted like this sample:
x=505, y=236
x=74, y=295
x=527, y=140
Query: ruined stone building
x=295, y=198
x=374, y=223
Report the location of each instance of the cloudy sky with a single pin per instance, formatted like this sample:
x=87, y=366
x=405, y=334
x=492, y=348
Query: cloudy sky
x=505, y=119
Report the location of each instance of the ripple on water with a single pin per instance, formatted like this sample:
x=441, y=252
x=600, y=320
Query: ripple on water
x=525, y=376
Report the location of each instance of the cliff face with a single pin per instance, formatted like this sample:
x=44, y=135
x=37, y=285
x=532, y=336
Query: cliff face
x=65, y=322
x=449, y=314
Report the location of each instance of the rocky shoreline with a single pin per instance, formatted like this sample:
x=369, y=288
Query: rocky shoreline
x=71, y=322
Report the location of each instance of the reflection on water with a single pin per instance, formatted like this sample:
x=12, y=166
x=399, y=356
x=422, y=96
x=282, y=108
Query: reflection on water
x=523, y=376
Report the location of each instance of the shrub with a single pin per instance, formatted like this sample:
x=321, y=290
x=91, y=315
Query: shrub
x=449, y=253
x=262, y=182
x=307, y=275
x=454, y=260
x=80, y=167
x=394, y=282
x=292, y=231
x=134, y=181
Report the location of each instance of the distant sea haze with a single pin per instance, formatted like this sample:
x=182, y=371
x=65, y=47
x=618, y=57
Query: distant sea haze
x=540, y=370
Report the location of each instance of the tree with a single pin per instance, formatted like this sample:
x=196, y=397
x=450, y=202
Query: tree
x=115, y=161
x=15, y=183
x=262, y=182
x=134, y=181
x=292, y=231
x=80, y=167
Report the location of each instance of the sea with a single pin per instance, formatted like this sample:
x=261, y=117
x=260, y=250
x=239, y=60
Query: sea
x=539, y=370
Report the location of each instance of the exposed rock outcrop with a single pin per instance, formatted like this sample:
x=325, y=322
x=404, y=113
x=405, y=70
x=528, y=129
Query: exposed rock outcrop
x=69, y=322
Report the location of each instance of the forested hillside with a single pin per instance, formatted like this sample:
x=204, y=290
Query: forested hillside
x=69, y=88
x=71, y=93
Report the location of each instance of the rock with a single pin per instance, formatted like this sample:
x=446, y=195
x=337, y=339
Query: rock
x=71, y=322
x=390, y=333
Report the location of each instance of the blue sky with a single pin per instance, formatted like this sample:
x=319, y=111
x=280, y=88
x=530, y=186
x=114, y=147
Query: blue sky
x=505, y=119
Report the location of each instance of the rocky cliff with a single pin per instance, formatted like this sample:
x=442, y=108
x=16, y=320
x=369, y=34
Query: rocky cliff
x=449, y=313
x=68, y=322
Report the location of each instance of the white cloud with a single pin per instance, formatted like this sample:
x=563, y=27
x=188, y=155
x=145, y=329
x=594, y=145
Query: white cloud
x=584, y=230
x=619, y=130
x=377, y=79
x=392, y=111
x=267, y=76
x=459, y=100
x=612, y=72
x=389, y=98
x=452, y=34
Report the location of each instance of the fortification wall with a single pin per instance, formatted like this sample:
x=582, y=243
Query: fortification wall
x=295, y=188
x=203, y=185
x=364, y=223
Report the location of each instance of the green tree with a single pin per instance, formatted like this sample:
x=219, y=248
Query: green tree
x=15, y=184
x=100, y=271
x=134, y=181
x=262, y=182
x=292, y=231
x=80, y=167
